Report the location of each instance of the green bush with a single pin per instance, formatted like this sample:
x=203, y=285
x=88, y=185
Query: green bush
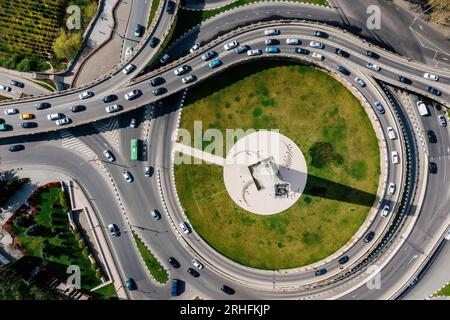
x=81, y=244
x=98, y=274
x=67, y=45
x=77, y=236
x=85, y=252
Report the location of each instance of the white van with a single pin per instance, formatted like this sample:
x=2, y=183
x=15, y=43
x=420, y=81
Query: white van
x=423, y=109
x=54, y=116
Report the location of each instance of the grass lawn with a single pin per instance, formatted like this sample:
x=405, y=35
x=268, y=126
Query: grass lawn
x=52, y=215
x=106, y=293
x=46, y=84
x=157, y=271
x=340, y=147
x=445, y=291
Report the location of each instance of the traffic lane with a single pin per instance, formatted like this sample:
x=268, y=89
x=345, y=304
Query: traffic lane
x=29, y=88
x=140, y=11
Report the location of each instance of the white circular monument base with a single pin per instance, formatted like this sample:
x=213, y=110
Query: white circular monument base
x=265, y=172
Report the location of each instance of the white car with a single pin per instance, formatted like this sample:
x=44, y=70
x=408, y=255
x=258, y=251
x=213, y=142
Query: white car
x=113, y=108
x=133, y=123
x=61, y=122
x=113, y=230
x=255, y=52
x=180, y=70
x=271, y=32
x=391, y=188
x=164, y=58
x=195, y=47
x=394, y=157
x=316, y=44
x=11, y=111
x=317, y=56
x=447, y=235
x=188, y=78
x=54, y=116
x=231, y=45
x=184, y=228
x=5, y=88
x=197, y=264
x=129, y=68
x=373, y=66
x=109, y=156
x=292, y=41
x=442, y=121
x=391, y=133
x=86, y=94
x=132, y=94
x=385, y=211
x=127, y=176
x=430, y=76
x=360, y=82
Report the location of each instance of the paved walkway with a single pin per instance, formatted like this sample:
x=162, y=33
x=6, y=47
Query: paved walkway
x=206, y=4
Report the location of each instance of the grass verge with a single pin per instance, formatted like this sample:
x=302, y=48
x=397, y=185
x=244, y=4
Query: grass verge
x=445, y=291
x=106, y=293
x=46, y=84
x=155, y=5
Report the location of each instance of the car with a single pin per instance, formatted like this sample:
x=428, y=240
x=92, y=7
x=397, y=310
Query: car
x=271, y=32
x=442, y=121
x=301, y=51
x=430, y=76
x=209, y=55
x=184, y=228
x=215, y=63
x=254, y=52
x=42, y=105
x=343, y=70
x=391, y=188
x=293, y=41
x=394, y=157
x=155, y=215
x=320, y=34
x=343, y=259
x=113, y=108
x=133, y=123
x=54, y=116
x=129, y=68
x=369, y=236
x=86, y=95
x=5, y=88
x=385, y=211
x=29, y=125
x=431, y=136
x=113, y=230
x=272, y=50
x=373, y=66
x=434, y=91
x=188, y=78
x=193, y=272
x=447, y=235
x=404, y=79
x=181, y=70
x=227, y=290
x=62, y=122
x=139, y=31
x=379, y=107
x=16, y=147
x=317, y=56
x=316, y=44
x=360, y=82
x=173, y=262
x=320, y=272
x=423, y=109
x=170, y=8
x=159, y=91
x=109, y=156
x=131, y=285
x=432, y=168
x=197, y=264
x=242, y=49
x=195, y=47
x=342, y=53
x=132, y=95
x=272, y=42
x=231, y=45
x=26, y=116
x=153, y=42
x=17, y=84
x=164, y=58
x=128, y=51
x=157, y=81
x=148, y=171
x=77, y=108
x=174, y=288
x=109, y=98
x=391, y=133
x=372, y=54
x=127, y=176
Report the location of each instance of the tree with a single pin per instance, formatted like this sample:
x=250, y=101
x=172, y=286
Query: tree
x=67, y=45
x=24, y=65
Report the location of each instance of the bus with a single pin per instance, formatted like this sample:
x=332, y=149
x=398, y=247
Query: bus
x=134, y=149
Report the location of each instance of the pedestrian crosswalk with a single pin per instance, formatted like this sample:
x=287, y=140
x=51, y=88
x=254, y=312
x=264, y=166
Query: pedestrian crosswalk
x=109, y=129
x=71, y=142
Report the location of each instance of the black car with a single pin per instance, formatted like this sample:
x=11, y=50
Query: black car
x=227, y=290
x=372, y=54
x=404, y=79
x=157, y=81
x=431, y=136
x=301, y=51
x=343, y=259
x=193, y=272
x=16, y=147
x=109, y=98
x=153, y=42
x=139, y=31
x=17, y=84
x=369, y=237
x=42, y=105
x=78, y=108
x=342, y=53
x=320, y=34
x=434, y=91
x=131, y=284
x=433, y=168
x=170, y=9
x=320, y=272
x=28, y=125
x=159, y=91
x=173, y=262
x=242, y=49
x=343, y=70
x=272, y=42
